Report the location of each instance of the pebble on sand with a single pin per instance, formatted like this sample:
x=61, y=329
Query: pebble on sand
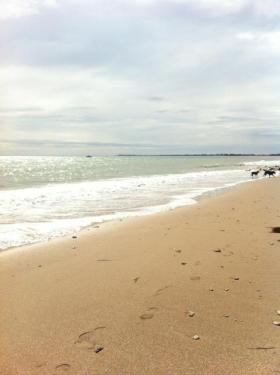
x=236, y=278
x=195, y=337
x=276, y=323
x=217, y=251
x=278, y=312
x=98, y=349
x=191, y=313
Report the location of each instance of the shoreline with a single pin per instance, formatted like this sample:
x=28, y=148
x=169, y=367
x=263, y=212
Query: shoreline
x=128, y=287
x=161, y=209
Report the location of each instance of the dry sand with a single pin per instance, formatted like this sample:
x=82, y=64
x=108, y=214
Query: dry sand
x=125, y=291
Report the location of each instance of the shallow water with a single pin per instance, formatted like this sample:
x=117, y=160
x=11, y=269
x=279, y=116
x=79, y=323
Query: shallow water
x=44, y=197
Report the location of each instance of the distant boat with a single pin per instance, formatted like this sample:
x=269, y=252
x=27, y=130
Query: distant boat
x=89, y=156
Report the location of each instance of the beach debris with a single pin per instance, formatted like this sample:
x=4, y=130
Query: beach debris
x=278, y=312
x=226, y=289
x=191, y=314
x=211, y=289
x=275, y=230
x=226, y=315
x=146, y=316
x=276, y=323
x=236, y=278
x=74, y=237
x=217, y=250
x=196, y=337
x=98, y=349
x=136, y=279
x=183, y=263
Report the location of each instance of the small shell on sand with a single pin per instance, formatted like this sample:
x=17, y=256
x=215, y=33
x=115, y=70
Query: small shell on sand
x=191, y=313
x=195, y=337
x=276, y=323
x=278, y=312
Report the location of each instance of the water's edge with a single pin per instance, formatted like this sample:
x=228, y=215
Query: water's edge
x=204, y=195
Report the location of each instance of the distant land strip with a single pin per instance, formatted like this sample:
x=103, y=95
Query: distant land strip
x=230, y=154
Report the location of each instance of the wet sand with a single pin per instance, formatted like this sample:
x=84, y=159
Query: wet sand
x=129, y=298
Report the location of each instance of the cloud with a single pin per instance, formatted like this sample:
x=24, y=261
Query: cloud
x=22, y=8
x=180, y=75
x=268, y=8
x=268, y=40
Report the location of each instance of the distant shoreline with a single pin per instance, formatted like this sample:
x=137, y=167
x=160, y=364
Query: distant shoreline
x=199, y=154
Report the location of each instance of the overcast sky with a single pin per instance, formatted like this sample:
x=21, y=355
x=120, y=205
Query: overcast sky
x=141, y=76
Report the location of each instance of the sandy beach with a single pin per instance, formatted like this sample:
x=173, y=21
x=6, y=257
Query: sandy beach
x=129, y=297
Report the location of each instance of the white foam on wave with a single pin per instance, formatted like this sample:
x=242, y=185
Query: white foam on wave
x=263, y=163
x=37, y=214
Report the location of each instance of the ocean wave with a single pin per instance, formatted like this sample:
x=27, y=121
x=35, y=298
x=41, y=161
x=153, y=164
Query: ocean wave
x=262, y=163
x=211, y=166
x=37, y=214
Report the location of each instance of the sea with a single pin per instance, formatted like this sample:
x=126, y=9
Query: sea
x=46, y=197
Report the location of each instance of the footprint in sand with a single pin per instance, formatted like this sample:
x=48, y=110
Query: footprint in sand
x=152, y=308
x=146, y=316
x=228, y=254
x=91, y=340
x=63, y=367
x=159, y=291
x=195, y=278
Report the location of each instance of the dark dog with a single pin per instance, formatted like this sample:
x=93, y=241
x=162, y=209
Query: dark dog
x=254, y=174
x=269, y=173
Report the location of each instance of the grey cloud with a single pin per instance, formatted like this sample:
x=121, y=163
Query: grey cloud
x=191, y=81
